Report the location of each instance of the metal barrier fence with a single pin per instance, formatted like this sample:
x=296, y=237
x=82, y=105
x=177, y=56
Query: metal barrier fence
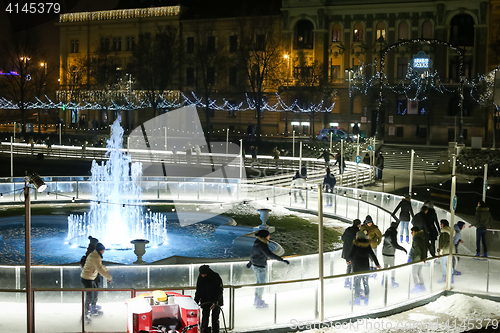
x=286, y=283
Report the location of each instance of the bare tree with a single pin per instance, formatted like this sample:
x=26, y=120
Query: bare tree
x=22, y=54
x=155, y=62
x=260, y=57
x=209, y=57
x=315, y=90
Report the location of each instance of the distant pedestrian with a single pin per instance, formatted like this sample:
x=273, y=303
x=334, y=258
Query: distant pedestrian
x=253, y=151
x=209, y=294
x=404, y=216
x=433, y=227
x=326, y=155
x=329, y=183
x=418, y=253
x=197, y=150
x=366, y=159
x=379, y=165
x=298, y=185
x=348, y=238
x=340, y=162
x=303, y=170
x=189, y=153
x=389, y=250
x=258, y=262
x=482, y=221
x=359, y=258
x=276, y=155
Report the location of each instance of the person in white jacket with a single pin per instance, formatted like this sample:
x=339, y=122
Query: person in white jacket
x=93, y=266
x=298, y=183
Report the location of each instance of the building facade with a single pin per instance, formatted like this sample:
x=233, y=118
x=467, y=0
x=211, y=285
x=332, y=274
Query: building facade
x=330, y=51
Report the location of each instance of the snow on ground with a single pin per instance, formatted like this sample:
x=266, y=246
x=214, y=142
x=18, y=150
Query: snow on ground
x=454, y=313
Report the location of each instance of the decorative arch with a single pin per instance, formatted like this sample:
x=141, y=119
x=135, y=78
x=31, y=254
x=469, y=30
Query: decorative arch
x=296, y=19
x=451, y=15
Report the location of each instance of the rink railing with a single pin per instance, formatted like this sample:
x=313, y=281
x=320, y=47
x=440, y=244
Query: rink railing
x=293, y=302
x=297, y=282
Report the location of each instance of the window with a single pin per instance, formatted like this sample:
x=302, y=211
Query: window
x=233, y=76
x=402, y=67
x=211, y=75
x=358, y=33
x=381, y=31
x=190, y=45
x=400, y=132
x=233, y=43
x=130, y=43
x=74, y=46
x=335, y=72
x=402, y=106
x=303, y=35
x=260, y=43
x=104, y=44
x=211, y=44
x=427, y=29
x=462, y=30
x=336, y=33
x=403, y=30
x=190, y=76
x=117, y=44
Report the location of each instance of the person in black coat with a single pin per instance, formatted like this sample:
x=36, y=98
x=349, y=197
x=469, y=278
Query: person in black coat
x=404, y=217
x=329, y=183
x=258, y=262
x=433, y=227
x=209, y=294
x=340, y=163
x=420, y=221
x=359, y=258
x=389, y=250
x=348, y=238
x=326, y=155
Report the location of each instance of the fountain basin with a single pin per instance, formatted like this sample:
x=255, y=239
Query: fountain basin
x=192, y=235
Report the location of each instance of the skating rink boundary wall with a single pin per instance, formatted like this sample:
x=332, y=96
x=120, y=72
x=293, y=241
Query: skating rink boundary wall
x=292, y=291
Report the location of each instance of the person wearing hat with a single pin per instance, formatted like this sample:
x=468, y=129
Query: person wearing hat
x=93, y=266
x=209, y=294
x=418, y=253
x=457, y=239
x=404, y=217
x=348, y=238
x=258, y=262
x=359, y=258
x=374, y=235
x=389, y=249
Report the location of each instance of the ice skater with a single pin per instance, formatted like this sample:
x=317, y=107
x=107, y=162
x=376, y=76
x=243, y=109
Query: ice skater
x=404, y=217
x=444, y=248
x=258, y=262
x=418, y=253
x=328, y=186
x=359, y=259
x=389, y=250
x=348, y=237
x=209, y=294
x=298, y=185
x=93, y=266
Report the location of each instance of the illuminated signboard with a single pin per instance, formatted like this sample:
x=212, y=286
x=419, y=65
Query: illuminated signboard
x=421, y=62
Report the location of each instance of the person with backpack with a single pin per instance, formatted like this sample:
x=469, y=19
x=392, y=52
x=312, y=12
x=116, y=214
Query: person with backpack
x=389, y=249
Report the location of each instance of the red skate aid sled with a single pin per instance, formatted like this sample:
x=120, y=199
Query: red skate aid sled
x=161, y=311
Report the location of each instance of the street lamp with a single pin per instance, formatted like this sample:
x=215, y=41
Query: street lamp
x=44, y=65
x=40, y=186
x=287, y=57
x=350, y=71
x=461, y=124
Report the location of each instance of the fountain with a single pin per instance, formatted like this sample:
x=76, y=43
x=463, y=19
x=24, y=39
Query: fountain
x=116, y=215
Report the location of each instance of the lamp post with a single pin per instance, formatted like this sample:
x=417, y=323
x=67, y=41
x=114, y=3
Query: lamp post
x=44, y=65
x=380, y=95
x=287, y=57
x=40, y=186
x=350, y=72
x=461, y=123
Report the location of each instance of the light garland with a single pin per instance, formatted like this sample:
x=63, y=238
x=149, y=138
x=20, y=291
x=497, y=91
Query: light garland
x=120, y=14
